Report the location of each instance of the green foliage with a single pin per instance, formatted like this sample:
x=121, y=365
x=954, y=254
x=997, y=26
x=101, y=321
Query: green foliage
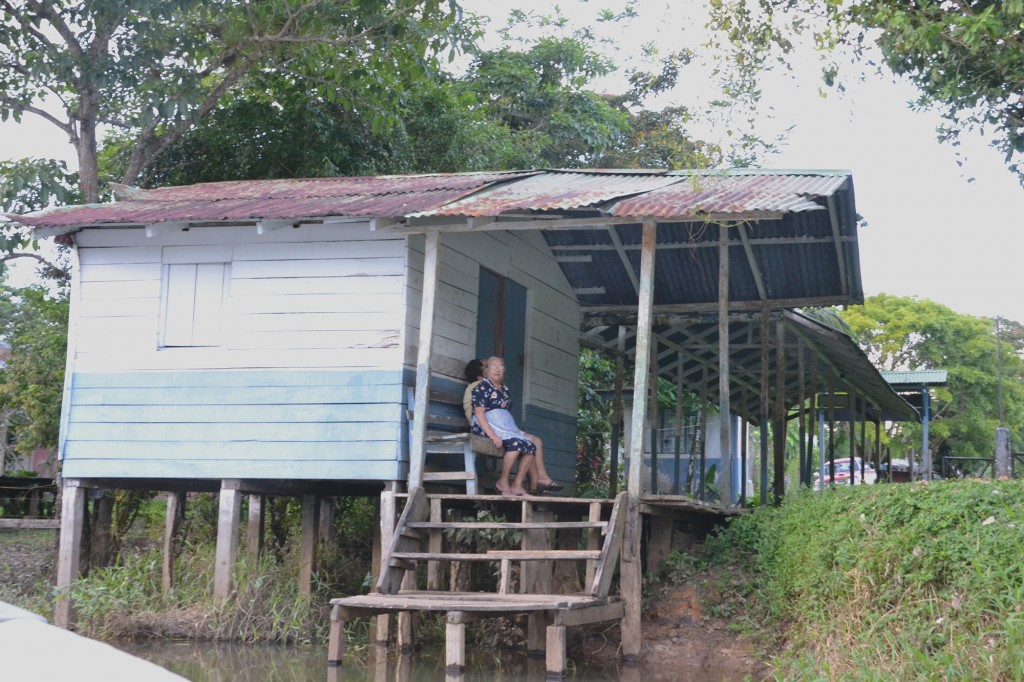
x=151, y=68
x=910, y=333
x=33, y=321
x=277, y=129
x=966, y=58
x=892, y=581
x=31, y=185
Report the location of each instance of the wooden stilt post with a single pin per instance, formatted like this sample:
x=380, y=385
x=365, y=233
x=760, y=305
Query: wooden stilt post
x=536, y=576
x=455, y=644
x=172, y=536
x=556, y=642
x=254, y=528
x=812, y=419
x=630, y=577
x=325, y=532
x=384, y=532
x=227, y=538
x=71, y=519
x=100, y=539
x=724, y=408
x=336, y=643
x=307, y=543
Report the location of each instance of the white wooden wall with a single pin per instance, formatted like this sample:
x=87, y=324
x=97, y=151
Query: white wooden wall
x=552, y=321
x=306, y=379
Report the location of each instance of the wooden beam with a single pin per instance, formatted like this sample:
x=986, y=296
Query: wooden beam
x=417, y=442
x=254, y=528
x=307, y=543
x=626, y=265
x=172, y=537
x=755, y=267
x=734, y=306
x=72, y=516
x=844, y=285
x=779, y=432
x=724, y=409
x=631, y=578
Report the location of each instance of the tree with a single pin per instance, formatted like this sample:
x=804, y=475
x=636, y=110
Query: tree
x=150, y=69
x=34, y=321
x=966, y=57
x=30, y=185
x=907, y=333
x=275, y=129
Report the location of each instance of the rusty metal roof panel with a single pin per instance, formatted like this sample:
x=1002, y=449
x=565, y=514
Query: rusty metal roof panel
x=387, y=196
x=553, y=191
x=380, y=185
x=702, y=193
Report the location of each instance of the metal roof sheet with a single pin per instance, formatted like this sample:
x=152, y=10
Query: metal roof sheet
x=901, y=377
x=630, y=193
x=696, y=194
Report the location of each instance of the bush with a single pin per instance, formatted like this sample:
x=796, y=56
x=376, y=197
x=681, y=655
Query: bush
x=894, y=581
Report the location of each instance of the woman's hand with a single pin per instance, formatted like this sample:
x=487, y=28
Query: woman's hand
x=496, y=439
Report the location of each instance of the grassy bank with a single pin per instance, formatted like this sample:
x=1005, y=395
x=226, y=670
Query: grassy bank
x=887, y=582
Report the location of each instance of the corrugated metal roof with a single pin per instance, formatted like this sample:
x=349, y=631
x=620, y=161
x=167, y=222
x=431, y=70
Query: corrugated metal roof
x=677, y=194
x=901, y=377
x=695, y=194
x=789, y=256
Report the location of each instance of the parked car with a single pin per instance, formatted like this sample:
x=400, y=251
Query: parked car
x=842, y=474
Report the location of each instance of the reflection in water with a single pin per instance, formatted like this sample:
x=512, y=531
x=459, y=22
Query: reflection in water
x=220, y=662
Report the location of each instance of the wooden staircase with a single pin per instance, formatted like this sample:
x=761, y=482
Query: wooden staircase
x=418, y=537
x=421, y=523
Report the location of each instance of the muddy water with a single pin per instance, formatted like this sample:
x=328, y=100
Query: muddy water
x=205, y=662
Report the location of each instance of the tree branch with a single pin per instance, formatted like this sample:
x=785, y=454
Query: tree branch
x=25, y=24
x=26, y=254
x=46, y=10
x=21, y=107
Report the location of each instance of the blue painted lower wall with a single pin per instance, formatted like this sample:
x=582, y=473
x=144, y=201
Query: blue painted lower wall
x=343, y=425
x=338, y=425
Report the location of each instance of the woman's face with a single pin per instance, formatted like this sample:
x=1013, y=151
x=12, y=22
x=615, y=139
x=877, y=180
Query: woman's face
x=495, y=370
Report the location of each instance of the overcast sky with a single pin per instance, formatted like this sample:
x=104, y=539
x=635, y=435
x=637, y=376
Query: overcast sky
x=930, y=233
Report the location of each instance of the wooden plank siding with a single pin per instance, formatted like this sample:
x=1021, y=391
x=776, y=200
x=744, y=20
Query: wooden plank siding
x=305, y=382
x=552, y=367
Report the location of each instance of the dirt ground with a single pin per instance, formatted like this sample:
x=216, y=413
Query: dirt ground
x=683, y=644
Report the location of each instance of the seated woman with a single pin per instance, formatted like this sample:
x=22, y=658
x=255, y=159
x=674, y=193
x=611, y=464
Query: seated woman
x=492, y=419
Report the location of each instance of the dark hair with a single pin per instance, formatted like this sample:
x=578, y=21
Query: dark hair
x=474, y=369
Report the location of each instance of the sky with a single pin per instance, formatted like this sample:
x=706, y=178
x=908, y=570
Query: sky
x=931, y=232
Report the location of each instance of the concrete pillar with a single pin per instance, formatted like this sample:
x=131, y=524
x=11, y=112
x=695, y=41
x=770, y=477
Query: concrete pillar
x=227, y=539
x=254, y=528
x=1002, y=452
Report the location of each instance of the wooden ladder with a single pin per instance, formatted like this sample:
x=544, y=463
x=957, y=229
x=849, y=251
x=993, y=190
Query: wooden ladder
x=420, y=524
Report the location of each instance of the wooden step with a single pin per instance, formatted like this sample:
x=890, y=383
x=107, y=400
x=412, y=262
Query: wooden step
x=449, y=475
x=500, y=554
x=488, y=525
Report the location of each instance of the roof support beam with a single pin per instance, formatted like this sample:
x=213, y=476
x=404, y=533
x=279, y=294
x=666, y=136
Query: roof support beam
x=844, y=285
x=614, y=236
x=755, y=267
x=712, y=306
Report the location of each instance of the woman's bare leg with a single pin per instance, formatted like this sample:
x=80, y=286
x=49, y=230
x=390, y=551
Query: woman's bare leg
x=525, y=466
x=506, y=470
x=538, y=473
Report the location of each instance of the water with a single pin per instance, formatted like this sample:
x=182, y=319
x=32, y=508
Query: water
x=223, y=662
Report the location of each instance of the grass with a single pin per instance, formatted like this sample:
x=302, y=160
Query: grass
x=887, y=582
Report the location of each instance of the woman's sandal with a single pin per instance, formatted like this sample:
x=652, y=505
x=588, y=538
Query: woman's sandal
x=545, y=488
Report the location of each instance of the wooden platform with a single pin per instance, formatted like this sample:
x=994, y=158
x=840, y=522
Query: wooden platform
x=472, y=602
x=558, y=611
